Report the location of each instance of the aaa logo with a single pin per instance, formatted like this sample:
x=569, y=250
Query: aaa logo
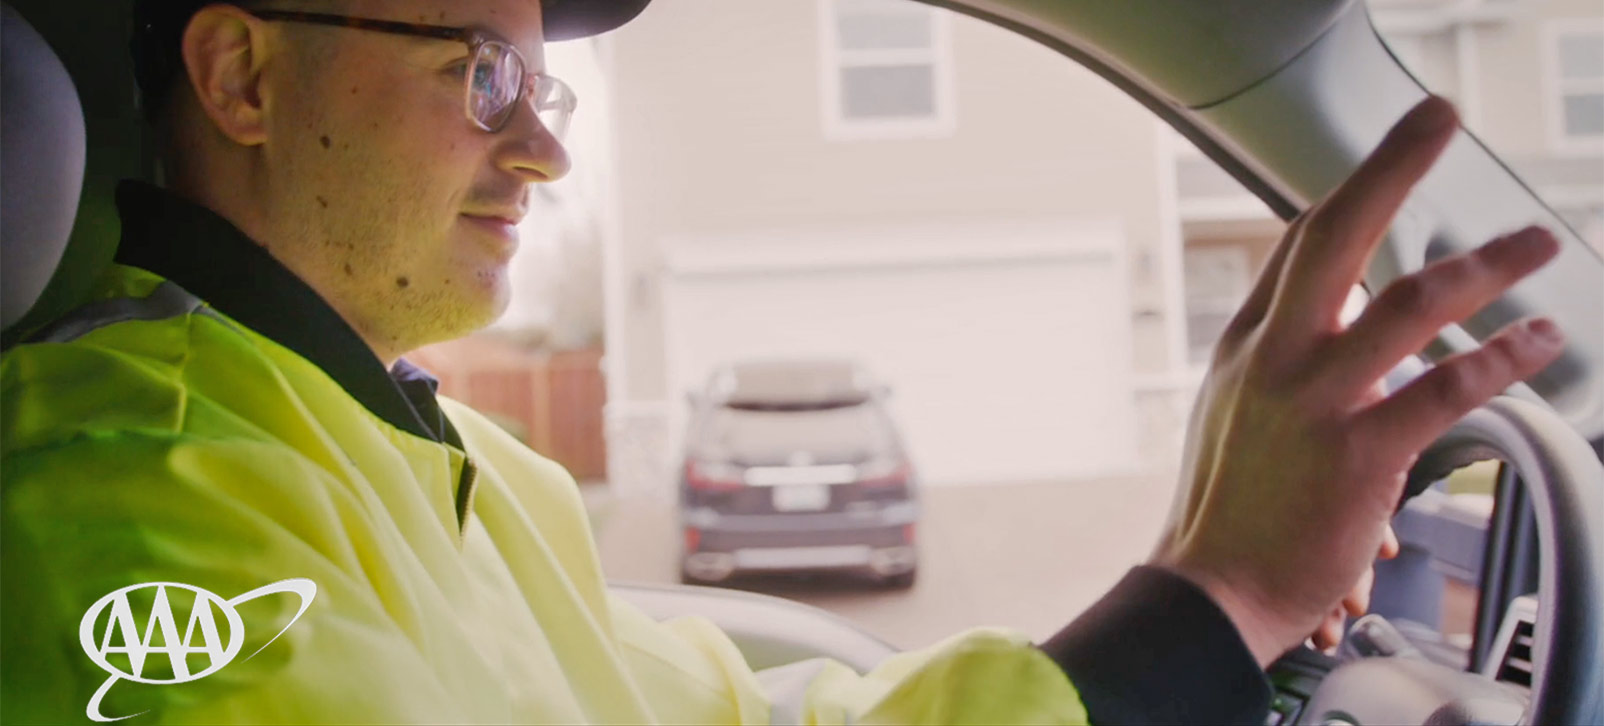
x=160, y=636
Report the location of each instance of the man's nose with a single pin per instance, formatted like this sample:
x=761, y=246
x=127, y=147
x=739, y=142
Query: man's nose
x=529, y=150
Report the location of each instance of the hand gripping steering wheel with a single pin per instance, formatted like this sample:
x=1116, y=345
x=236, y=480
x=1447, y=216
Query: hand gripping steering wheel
x=1565, y=480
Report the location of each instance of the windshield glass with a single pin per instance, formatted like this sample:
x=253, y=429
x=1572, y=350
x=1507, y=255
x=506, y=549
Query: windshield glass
x=1528, y=78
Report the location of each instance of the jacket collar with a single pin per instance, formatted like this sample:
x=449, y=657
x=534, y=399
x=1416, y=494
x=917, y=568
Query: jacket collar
x=211, y=258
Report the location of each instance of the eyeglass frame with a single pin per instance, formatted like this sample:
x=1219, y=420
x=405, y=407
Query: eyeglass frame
x=474, y=39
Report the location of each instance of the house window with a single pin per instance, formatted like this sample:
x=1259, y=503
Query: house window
x=1575, y=77
x=1218, y=279
x=887, y=70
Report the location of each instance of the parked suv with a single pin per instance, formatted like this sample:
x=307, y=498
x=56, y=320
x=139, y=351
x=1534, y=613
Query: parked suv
x=795, y=465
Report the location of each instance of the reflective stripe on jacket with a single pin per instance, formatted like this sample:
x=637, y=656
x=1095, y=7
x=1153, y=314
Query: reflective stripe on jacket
x=148, y=438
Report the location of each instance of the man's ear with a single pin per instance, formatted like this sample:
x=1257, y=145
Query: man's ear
x=224, y=49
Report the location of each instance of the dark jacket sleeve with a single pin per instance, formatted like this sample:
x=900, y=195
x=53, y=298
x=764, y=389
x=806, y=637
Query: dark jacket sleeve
x=1156, y=649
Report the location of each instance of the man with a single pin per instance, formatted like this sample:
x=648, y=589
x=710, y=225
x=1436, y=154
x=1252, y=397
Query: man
x=342, y=181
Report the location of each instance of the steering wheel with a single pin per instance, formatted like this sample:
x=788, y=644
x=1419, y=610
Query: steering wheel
x=1566, y=483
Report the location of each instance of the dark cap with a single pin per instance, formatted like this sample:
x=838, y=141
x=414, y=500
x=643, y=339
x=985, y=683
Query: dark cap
x=159, y=24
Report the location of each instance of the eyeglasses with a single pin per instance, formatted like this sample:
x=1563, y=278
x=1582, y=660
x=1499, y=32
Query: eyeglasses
x=495, y=77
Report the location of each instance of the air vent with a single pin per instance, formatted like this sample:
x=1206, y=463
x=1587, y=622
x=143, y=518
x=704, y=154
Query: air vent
x=1516, y=665
x=1511, y=657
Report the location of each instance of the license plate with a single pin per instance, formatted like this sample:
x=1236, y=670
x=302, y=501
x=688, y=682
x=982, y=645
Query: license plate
x=801, y=497
x=781, y=558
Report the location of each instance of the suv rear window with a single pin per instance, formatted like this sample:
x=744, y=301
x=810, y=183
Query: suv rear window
x=768, y=437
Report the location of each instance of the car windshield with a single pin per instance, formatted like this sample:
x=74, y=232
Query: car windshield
x=838, y=435
x=1034, y=262
x=1528, y=78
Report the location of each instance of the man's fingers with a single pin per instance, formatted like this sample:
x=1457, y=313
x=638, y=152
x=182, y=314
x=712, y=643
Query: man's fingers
x=1357, y=601
x=1411, y=311
x=1329, y=634
x=1409, y=420
x=1343, y=230
x=1389, y=545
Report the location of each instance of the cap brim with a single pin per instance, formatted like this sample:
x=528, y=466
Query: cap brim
x=570, y=19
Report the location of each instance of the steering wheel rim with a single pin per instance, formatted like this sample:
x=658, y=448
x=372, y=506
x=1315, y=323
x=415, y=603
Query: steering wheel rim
x=1566, y=483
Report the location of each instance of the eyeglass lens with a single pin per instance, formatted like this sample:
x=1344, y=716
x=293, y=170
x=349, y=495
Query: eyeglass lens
x=495, y=83
x=553, y=106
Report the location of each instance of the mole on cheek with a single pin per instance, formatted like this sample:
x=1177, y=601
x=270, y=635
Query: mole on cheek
x=353, y=90
x=324, y=140
x=323, y=202
x=348, y=271
x=402, y=282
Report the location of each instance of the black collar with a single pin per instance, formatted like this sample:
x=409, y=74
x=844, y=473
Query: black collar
x=211, y=258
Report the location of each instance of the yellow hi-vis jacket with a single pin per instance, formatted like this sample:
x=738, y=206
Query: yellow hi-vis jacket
x=164, y=442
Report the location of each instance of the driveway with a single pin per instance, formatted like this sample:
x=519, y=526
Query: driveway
x=1025, y=556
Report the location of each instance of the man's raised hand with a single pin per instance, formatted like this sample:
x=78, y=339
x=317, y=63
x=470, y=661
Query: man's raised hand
x=1295, y=459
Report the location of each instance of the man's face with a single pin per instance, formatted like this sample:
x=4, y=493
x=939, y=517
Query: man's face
x=382, y=194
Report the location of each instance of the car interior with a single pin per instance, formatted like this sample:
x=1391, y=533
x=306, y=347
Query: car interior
x=1286, y=97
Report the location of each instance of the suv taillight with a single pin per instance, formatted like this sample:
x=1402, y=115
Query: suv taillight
x=897, y=476
x=712, y=479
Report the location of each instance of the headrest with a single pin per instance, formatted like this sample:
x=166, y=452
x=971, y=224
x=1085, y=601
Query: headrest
x=42, y=143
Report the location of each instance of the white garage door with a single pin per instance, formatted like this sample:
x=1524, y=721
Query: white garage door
x=1007, y=347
